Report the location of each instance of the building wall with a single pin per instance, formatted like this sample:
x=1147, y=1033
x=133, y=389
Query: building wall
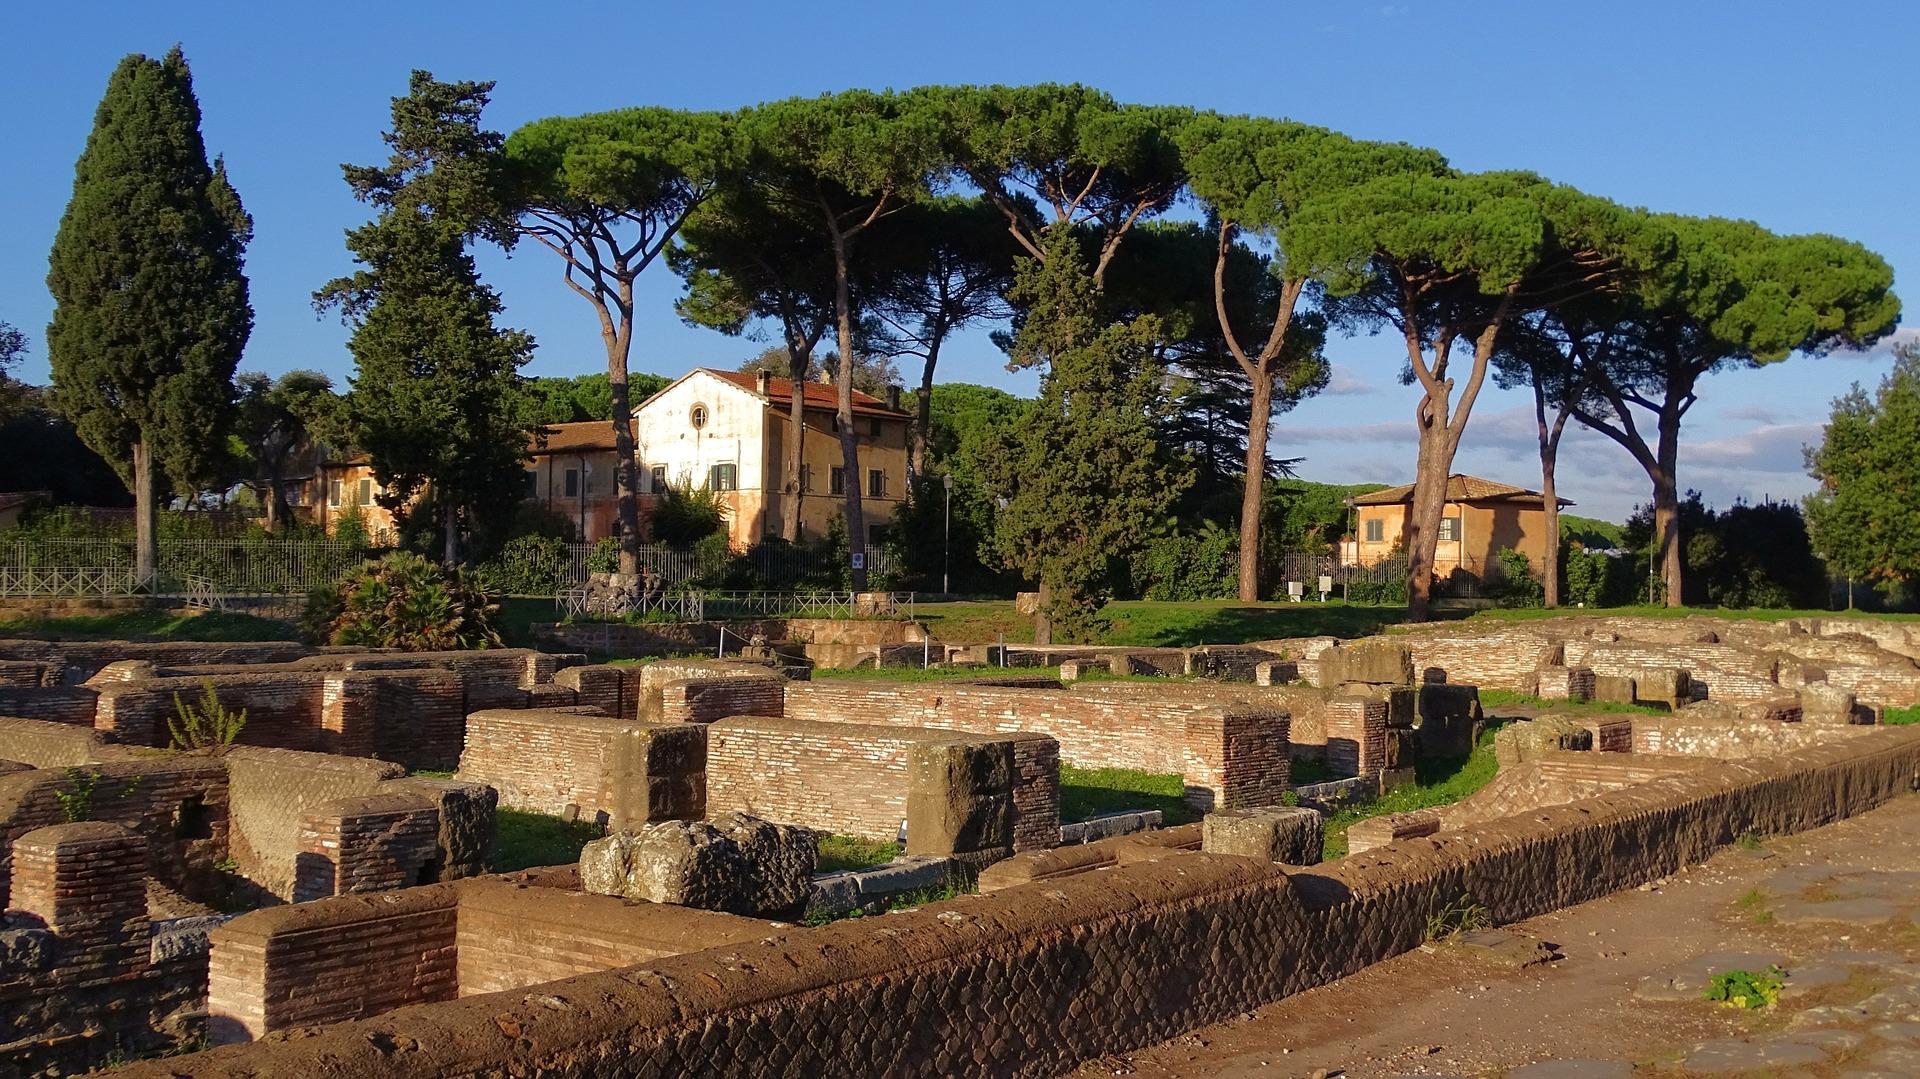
x=1484, y=529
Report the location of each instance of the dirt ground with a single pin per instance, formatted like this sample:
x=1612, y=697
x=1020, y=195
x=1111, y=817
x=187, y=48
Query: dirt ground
x=1834, y=908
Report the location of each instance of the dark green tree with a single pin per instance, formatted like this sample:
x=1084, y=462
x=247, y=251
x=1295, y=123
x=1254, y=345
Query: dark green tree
x=436, y=401
x=1718, y=295
x=607, y=193
x=1084, y=480
x=272, y=435
x=586, y=397
x=851, y=159
x=941, y=264
x=14, y=395
x=151, y=311
x=747, y=264
x=1865, y=518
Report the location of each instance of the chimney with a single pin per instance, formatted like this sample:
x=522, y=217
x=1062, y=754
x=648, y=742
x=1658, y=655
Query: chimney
x=893, y=398
x=763, y=381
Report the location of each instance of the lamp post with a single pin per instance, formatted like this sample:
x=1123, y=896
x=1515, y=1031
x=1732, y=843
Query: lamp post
x=946, y=536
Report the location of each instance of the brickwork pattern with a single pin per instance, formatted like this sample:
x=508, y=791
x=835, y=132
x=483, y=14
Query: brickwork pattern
x=272, y=792
x=1723, y=740
x=150, y=798
x=545, y=761
x=75, y=705
x=1138, y=727
x=369, y=844
x=1356, y=736
x=1573, y=684
x=1504, y=660
x=330, y=961
x=857, y=779
x=703, y=700
x=1241, y=934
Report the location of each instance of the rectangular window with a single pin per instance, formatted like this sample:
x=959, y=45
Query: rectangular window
x=334, y=490
x=573, y=482
x=876, y=483
x=722, y=477
x=659, y=476
x=533, y=483
x=1376, y=530
x=1449, y=530
x=806, y=477
x=365, y=496
x=873, y=428
x=837, y=480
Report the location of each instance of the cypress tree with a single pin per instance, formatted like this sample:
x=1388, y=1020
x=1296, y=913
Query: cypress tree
x=437, y=400
x=151, y=310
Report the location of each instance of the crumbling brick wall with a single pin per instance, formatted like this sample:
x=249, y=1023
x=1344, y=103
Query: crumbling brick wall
x=703, y=700
x=547, y=760
x=1499, y=660
x=1721, y=739
x=177, y=805
x=372, y=843
x=1258, y=933
x=337, y=959
x=614, y=688
x=865, y=780
x=1148, y=732
x=73, y=662
x=74, y=705
x=272, y=792
x=511, y=936
x=43, y=744
x=1356, y=736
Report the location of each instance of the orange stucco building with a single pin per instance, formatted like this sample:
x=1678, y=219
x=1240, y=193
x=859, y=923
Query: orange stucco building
x=1480, y=518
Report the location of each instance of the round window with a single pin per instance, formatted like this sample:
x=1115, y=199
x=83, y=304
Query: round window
x=699, y=416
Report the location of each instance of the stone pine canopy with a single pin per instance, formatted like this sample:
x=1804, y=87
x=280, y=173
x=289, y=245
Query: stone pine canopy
x=1460, y=488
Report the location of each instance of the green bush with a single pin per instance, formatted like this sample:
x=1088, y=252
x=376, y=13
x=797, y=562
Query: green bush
x=1518, y=586
x=1204, y=564
x=404, y=601
x=1595, y=579
x=687, y=515
x=605, y=555
x=526, y=566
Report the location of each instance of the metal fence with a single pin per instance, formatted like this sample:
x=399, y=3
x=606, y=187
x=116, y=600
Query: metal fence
x=696, y=605
x=95, y=566
x=770, y=567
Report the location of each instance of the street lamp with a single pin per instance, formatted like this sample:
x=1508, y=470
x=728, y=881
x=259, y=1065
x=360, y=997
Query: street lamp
x=946, y=536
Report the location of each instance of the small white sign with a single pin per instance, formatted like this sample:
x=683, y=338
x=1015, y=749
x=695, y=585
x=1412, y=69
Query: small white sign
x=859, y=560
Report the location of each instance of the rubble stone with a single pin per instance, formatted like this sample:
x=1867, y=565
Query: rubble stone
x=733, y=863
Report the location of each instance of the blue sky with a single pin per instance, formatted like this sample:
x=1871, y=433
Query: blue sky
x=1802, y=117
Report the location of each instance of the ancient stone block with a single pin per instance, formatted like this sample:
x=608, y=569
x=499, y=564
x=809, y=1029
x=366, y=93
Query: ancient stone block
x=467, y=825
x=1291, y=835
x=1530, y=739
x=1377, y=661
x=959, y=797
x=1671, y=687
x=1614, y=689
x=1572, y=684
x=733, y=863
x=1276, y=672
x=1821, y=702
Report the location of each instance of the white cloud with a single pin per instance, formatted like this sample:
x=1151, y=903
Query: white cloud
x=1883, y=348
x=1343, y=382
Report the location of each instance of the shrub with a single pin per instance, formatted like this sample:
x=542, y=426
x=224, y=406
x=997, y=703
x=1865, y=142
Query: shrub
x=605, y=555
x=404, y=601
x=1203, y=564
x=687, y=515
x=1519, y=587
x=527, y=566
x=1390, y=592
x=350, y=527
x=210, y=728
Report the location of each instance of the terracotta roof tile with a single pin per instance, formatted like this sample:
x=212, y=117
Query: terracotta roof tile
x=1460, y=488
x=815, y=394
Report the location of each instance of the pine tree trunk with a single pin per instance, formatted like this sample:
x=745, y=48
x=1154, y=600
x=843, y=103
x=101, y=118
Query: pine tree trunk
x=849, y=438
x=923, y=415
x=1423, y=523
x=1550, y=501
x=1251, y=492
x=625, y=472
x=146, y=541
x=798, y=360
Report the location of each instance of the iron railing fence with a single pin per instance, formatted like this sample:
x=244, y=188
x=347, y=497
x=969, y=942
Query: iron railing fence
x=696, y=605
x=272, y=567
x=764, y=568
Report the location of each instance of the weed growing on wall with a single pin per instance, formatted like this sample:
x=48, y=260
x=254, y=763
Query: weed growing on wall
x=209, y=728
x=76, y=795
x=1463, y=915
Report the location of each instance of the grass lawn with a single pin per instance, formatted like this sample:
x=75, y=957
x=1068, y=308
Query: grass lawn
x=1493, y=699
x=1144, y=623
x=1900, y=717
x=535, y=839
x=838, y=852
x=1089, y=792
x=1437, y=783
x=152, y=623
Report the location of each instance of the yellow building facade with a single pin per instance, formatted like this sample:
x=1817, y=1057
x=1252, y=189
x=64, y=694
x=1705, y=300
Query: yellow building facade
x=1479, y=519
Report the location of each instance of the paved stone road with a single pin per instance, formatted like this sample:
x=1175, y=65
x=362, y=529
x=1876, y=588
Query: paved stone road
x=1833, y=909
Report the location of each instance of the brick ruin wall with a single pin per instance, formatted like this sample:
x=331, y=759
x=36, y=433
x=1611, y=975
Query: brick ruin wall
x=703, y=700
x=86, y=980
x=1720, y=739
x=865, y=780
x=1239, y=934
x=1503, y=660
x=544, y=761
x=73, y=662
x=1228, y=754
x=273, y=791
x=511, y=936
